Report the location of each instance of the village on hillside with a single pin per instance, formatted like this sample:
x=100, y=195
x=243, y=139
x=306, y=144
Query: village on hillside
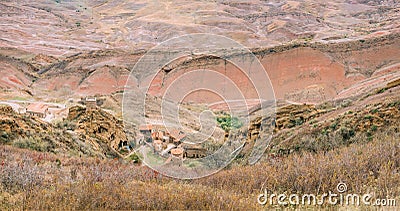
x=169, y=144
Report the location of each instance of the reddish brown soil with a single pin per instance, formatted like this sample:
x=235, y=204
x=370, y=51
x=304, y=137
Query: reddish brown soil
x=85, y=48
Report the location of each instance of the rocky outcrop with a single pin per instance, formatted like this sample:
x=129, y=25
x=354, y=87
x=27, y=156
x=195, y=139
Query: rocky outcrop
x=89, y=133
x=99, y=128
x=31, y=132
x=294, y=115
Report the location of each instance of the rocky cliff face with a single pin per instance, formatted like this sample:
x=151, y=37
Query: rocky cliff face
x=99, y=128
x=300, y=72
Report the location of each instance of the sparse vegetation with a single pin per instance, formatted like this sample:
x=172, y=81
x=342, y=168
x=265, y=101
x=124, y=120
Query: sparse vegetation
x=4, y=137
x=367, y=117
x=345, y=103
x=333, y=125
x=44, y=182
x=66, y=124
x=382, y=90
x=135, y=158
x=34, y=144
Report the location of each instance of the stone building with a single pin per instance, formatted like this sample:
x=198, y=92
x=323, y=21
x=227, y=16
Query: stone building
x=177, y=152
x=147, y=131
x=193, y=151
x=37, y=109
x=91, y=103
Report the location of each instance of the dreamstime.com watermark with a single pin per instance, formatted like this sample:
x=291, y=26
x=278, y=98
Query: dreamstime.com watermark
x=332, y=198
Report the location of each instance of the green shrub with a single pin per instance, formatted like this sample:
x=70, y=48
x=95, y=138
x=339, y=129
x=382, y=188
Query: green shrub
x=4, y=137
x=333, y=125
x=367, y=117
x=374, y=111
x=227, y=122
x=381, y=90
x=32, y=143
x=324, y=132
x=135, y=158
x=346, y=133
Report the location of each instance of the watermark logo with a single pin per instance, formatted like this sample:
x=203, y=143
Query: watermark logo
x=341, y=187
x=340, y=197
x=188, y=103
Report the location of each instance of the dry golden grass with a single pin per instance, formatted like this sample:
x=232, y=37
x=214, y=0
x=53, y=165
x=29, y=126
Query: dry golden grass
x=36, y=180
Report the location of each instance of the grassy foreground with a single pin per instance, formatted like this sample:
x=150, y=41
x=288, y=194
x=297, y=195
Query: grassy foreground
x=38, y=180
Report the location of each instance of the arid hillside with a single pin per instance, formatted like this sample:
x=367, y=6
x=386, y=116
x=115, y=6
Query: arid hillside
x=61, y=27
x=72, y=132
x=84, y=133
x=74, y=48
x=300, y=72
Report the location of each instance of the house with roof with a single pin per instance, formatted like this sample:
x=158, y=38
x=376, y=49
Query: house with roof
x=177, y=136
x=158, y=145
x=37, y=109
x=177, y=152
x=91, y=103
x=147, y=131
x=171, y=143
x=158, y=135
x=193, y=150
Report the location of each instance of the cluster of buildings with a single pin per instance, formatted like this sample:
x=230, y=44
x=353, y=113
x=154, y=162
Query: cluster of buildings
x=170, y=143
x=49, y=111
x=166, y=143
x=44, y=110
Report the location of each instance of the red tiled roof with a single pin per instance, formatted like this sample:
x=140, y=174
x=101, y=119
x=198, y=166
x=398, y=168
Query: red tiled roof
x=146, y=127
x=177, y=151
x=37, y=108
x=157, y=135
x=177, y=135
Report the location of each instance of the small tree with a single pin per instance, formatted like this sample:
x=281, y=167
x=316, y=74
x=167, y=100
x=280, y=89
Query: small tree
x=227, y=122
